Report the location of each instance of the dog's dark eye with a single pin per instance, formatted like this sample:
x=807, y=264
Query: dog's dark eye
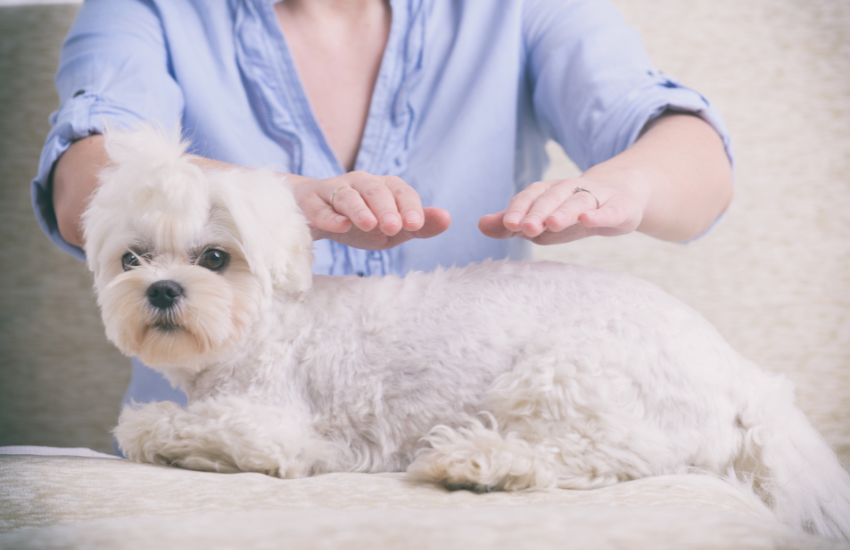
x=129, y=261
x=213, y=259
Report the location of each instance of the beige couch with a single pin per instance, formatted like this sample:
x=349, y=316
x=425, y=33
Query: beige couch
x=774, y=277
x=77, y=502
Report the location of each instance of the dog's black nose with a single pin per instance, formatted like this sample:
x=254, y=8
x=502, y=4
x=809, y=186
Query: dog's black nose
x=163, y=294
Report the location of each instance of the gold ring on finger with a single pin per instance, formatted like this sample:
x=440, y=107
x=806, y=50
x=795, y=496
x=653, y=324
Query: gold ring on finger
x=580, y=189
x=334, y=193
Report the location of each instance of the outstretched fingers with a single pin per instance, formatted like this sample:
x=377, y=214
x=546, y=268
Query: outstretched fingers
x=567, y=210
x=618, y=216
x=493, y=226
x=546, y=206
x=557, y=210
x=383, y=202
x=345, y=201
x=436, y=221
x=366, y=211
x=316, y=207
x=518, y=216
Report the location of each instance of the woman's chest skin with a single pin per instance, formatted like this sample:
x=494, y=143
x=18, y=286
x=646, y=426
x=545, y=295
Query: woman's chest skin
x=338, y=53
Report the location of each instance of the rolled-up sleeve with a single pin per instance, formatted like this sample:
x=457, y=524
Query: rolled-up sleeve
x=594, y=87
x=113, y=70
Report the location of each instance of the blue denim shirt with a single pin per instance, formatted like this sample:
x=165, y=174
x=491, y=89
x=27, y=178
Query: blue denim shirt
x=467, y=95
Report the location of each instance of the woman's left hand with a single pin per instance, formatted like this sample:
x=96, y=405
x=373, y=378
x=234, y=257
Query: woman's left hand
x=553, y=212
x=672, y=184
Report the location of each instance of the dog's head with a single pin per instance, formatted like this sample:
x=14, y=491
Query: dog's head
x=185, y=260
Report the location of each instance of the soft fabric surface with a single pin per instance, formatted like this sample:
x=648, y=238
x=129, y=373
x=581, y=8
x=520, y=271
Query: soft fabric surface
x=54, y=502
x=492, y=528
x=52, y=451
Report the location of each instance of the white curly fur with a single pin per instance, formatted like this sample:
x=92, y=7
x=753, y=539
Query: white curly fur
x=585, y=378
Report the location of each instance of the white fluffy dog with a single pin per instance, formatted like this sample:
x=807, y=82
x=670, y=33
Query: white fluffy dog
x=495, y=376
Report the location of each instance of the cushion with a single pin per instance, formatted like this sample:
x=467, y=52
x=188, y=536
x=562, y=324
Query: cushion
x=60, y=502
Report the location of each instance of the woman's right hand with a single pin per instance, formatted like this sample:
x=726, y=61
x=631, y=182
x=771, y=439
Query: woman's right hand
x=366, y=211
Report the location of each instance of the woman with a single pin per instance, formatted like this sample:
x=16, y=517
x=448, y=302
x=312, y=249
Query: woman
x=376, y=108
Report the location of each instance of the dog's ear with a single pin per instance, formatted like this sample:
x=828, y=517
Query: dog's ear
x=273, y=232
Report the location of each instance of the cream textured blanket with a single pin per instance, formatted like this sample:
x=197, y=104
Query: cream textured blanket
x=80, y=502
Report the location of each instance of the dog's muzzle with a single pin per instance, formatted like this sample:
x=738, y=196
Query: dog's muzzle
x=163, y=294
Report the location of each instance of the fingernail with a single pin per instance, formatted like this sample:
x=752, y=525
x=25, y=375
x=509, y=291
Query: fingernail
x=554, y=219
x=365, y=216
x=513, y=218
x=412, y=217
x=389, y=219
x=532, y=220
x=340, y=219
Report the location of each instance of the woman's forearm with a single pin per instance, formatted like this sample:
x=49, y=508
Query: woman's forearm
x=74, y=180
x=681, y=164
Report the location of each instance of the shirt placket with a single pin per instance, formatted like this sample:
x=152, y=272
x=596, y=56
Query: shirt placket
x=379, y=127
x=270, y=69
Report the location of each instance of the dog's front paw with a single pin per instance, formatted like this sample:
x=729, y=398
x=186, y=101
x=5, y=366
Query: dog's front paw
x=481, y=459
x=221, y=435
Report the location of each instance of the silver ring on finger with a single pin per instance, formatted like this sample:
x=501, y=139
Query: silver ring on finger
x=580, y=189
x=334, y=194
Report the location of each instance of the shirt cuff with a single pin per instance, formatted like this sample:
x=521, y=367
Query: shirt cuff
x=662, y=93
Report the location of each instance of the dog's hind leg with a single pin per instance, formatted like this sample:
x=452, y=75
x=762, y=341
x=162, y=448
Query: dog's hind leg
x=221, y=435
x=562, y=422
x=581, y=419
x=479, y=458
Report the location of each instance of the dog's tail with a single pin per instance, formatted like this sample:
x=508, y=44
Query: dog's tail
x=794, y=470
